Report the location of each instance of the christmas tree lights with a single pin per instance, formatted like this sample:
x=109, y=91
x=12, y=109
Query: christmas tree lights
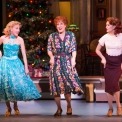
x=37, y=24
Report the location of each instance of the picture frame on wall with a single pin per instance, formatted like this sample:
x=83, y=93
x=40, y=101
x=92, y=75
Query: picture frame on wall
x=101, y=13
x=100, y=2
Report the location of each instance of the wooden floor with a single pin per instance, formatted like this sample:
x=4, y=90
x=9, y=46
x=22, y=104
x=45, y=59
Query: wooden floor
x=43, y=110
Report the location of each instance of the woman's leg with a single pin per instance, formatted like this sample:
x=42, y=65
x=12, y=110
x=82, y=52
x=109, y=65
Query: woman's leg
x=69, y=107
x=110, y=102
x=8, y=111
x=16, y=110
x=117, y=99
x=58, y=103
x=68, y=99
x=15, y=105
x=8, y=105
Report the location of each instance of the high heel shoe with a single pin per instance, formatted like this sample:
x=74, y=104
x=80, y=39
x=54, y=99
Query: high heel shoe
x=119, y=111
x=8, y=112
x=110, y=112
x=16, y=111
x=58, y=112
x=69, y=111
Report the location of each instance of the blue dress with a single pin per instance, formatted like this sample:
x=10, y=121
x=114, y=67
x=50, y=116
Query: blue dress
x=15, y=85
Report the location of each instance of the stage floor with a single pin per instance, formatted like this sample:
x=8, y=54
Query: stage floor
x=43, y=110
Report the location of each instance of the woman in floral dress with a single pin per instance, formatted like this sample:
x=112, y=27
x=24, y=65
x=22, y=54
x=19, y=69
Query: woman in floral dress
x=63, y=78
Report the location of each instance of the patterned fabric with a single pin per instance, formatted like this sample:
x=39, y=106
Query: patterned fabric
x=15, y=85
x=62, y=79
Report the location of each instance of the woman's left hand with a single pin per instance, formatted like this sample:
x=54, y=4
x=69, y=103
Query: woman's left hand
x=0, y=54
x=26, y=71
x=73, y=63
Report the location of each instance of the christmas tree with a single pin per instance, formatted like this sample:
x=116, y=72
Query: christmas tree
x=37, y=24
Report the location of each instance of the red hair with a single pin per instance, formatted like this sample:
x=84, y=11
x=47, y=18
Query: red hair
x=115, y=22
x=60, y=18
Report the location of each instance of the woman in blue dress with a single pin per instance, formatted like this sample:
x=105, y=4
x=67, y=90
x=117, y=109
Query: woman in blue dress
x=15, y=83
x=64, y=79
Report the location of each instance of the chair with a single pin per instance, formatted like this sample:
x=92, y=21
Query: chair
x=93, y=64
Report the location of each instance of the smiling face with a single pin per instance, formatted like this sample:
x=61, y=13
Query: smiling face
x=60, y=26
x=15, y=30
x=109, y=28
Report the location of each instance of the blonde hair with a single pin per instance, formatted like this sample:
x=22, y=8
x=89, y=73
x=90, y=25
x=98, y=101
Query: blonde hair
x=7, y=29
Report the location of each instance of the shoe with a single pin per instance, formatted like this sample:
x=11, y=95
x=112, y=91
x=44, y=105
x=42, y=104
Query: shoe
x=58, y=113
x=110, y=112
x=69, y=111
x=119, y=111
x=16, y=111
x=8, y=112
x=80, y=92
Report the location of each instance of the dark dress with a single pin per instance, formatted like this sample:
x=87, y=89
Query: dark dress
x=112, y=73
x=62, y=79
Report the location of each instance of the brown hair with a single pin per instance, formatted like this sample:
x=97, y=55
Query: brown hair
x=115, y=22
x=60, y=18
x=7, y=29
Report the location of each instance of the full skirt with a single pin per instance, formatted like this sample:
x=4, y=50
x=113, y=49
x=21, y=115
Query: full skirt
x=15, y=85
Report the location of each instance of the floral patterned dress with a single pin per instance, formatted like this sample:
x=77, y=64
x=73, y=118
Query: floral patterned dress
x=62, y=78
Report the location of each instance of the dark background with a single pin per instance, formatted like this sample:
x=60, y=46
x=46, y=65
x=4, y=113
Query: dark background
x=1, y=17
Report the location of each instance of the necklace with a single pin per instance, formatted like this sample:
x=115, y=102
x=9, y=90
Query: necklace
x=12, y=39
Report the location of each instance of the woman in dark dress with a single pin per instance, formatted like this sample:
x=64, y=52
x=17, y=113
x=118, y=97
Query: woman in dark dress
x=112, y=61
x=63, y=75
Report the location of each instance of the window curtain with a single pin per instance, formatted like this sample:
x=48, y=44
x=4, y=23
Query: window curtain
x=55, y=8
x=80, y=15
x=75, y=11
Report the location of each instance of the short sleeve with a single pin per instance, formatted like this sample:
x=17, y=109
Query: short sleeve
x=49, y=44
x=102, y=41
x=73, y=43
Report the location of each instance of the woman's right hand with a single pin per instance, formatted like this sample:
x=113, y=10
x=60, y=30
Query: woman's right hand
x=0, y=54
x=51, y=60
x=103, y=61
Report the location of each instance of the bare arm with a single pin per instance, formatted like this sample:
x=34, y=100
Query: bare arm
x=74, y=54
x=1, y=41
x=73, y=59
x=49, y=50
x=22, y=45
x=51, y=57
x=73, y=50
x=0, y=54
x=99, y=53
x=50, y=53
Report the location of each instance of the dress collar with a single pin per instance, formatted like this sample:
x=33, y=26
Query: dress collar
x=12, y=37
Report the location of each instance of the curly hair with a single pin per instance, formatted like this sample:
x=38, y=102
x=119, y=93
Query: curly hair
x=60, y=18
x=11, y=24
x=115, y=22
